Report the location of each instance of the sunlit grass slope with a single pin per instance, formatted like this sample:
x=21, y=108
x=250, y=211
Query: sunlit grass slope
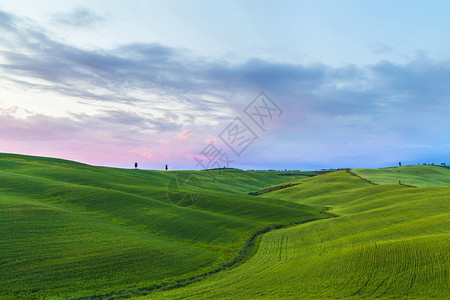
x=390, y=241
x=417, y=175
x=72, y=229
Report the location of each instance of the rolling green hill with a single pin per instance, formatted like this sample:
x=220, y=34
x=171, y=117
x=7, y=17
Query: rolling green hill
x=418, y=175
x=390, y=241
x=70, y=229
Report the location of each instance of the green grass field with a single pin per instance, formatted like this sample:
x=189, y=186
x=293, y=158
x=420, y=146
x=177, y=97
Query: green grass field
x=69, y=230
x=390, y=241
x=421, y=176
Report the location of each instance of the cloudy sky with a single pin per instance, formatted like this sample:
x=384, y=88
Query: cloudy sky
x=346, y=83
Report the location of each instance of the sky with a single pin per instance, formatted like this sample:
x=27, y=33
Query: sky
x=297, y=85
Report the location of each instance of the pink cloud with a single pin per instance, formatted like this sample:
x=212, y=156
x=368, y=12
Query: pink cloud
x=183, y=136
x=97, y=141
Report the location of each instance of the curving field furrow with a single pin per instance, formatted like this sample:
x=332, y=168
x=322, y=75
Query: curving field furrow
x=411, y=267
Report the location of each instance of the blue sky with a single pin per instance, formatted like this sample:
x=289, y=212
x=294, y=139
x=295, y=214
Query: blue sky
x=359, y=83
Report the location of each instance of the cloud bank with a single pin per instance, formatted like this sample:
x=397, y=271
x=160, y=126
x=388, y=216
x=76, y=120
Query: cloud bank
x=150, y=102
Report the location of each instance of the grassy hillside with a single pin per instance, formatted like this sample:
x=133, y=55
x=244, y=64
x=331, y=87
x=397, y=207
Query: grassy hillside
x=421, y=176
x=72, y=229
x=390, y=241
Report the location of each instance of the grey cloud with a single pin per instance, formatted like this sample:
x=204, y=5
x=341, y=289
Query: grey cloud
x=378, y=92
x=79, y=17
x=6, y=20
x=108, y=126
x=141, y=122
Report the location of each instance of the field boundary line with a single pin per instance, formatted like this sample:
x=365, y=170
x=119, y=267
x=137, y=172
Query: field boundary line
x=273, y=189
x=373, y=183
x=362, y=178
